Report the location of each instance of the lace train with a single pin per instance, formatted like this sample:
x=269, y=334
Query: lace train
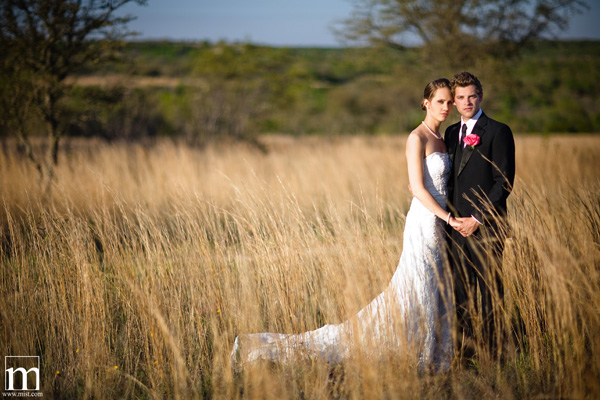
x=414, y=312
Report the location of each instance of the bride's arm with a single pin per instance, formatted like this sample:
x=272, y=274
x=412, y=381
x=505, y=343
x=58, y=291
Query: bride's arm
x=415, y=152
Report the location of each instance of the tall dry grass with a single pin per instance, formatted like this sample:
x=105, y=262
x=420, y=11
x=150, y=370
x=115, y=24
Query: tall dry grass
x=134, y=277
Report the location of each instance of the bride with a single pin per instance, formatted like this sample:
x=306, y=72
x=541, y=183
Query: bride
x=416, y=310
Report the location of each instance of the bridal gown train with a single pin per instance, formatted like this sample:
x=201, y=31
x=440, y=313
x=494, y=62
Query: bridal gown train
x=414, y=313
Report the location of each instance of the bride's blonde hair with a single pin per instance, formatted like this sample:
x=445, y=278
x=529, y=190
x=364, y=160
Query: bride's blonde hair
x=430, y=89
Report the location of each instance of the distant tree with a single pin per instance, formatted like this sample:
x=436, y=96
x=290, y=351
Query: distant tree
x=457, y=31
x=243, y=83
x=42, y=42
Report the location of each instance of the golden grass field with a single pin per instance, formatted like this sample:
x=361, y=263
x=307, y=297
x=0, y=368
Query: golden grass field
x=134, y=277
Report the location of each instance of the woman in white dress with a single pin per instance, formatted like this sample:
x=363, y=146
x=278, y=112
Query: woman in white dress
x=416, y=310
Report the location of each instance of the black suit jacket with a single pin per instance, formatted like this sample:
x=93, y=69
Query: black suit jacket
x=482, y=179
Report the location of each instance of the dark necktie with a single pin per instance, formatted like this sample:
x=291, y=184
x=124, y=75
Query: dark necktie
x=462, y=136
x=459, y=148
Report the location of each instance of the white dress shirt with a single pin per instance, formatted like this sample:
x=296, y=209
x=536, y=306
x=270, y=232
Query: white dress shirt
x=470, y=125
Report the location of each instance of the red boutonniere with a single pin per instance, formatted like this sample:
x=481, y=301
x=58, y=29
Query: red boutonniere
x=472, y=140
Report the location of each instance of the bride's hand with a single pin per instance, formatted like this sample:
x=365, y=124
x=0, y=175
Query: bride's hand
x=468, y=225
x=454, y=223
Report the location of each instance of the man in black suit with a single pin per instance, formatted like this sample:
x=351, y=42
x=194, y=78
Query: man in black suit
x=483, y=170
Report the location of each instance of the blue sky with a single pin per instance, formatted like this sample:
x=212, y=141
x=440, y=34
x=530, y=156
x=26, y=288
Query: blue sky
x=274, y=22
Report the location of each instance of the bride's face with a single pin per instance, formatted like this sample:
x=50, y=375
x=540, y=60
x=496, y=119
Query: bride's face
x=440, y=105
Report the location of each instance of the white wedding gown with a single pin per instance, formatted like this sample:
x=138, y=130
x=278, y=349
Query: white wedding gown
x=414, y=313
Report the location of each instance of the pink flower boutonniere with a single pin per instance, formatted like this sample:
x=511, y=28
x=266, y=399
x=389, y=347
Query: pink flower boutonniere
x=471, y=140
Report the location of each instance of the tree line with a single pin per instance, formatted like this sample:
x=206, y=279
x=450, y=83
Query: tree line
x=199, y=92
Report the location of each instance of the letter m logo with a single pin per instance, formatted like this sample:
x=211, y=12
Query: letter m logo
x=21, y=373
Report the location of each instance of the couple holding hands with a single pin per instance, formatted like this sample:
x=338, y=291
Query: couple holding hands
x=447, y=285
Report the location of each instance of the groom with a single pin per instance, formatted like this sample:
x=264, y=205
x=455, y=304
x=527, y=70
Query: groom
x=483, y=170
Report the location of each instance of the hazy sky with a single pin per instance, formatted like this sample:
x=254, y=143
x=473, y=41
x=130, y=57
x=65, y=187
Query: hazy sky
x=275, y=22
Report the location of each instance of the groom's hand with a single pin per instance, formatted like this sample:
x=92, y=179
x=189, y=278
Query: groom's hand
x=468, y=226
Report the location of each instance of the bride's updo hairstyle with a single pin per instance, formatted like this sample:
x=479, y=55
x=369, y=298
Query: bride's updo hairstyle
x=430, y=89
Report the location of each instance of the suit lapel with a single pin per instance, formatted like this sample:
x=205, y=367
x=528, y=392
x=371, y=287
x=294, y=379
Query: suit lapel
x=451, y=142
x=479, y=130
x=466, y=155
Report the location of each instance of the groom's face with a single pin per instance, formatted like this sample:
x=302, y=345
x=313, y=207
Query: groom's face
x=467, y=101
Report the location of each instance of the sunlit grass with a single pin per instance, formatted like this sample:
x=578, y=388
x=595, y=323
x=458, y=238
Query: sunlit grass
x=135, y=276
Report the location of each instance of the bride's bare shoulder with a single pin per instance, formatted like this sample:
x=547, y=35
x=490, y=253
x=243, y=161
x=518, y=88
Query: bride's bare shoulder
x=416, y=143
x=417, y=136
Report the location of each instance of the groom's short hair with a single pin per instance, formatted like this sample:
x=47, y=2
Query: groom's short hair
x=464, y=79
